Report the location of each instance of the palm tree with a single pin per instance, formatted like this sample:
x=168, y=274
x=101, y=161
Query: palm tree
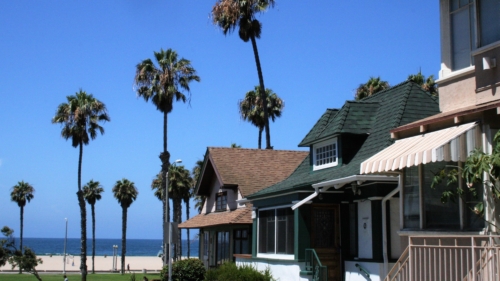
x=372, y=86
x=251, y=108
x=92, y=193
x=22, y=193
x=200, y=200
x=80, y=118
x=227, y=14
x=158, y=188
x=162, y=83
x=126, y=193
x=428, y=84
x=179, y=185
x=187, y=196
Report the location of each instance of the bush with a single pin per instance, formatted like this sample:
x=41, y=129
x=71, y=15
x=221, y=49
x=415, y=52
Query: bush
x=230, y=272
x=185, y=270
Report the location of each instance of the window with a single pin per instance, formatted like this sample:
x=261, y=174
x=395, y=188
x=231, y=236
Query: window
x=241, y=241
x=462, y=20
x=325, y=154
x=471, y=29
x=222, y=247
x=221, y=199
x=276, y=231
x=452, y=215
x=411, y=198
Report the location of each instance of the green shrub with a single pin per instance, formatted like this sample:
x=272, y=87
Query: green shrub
x=230, y=272
x=185, y=270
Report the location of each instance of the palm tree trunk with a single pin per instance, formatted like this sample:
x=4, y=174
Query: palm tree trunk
x=177, y=219
x=188, y=237
x=93, y=236
x=124, y=238
x=262, y=93
x=165, y=121
x=21, y=235
x=260, y=137
x=83, y=220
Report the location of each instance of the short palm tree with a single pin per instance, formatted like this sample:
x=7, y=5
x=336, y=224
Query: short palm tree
x=180, y=182
x=80, y=118
x=229, y=14
x=187, y=196
x=200, y=200
x=92, y=193
x=22, y=193
x=162, y=83
x=428, y=84
x=372, y=86
x=251, y=108
x=126, y=193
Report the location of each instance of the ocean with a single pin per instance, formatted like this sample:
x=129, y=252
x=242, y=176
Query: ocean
x=135, y=247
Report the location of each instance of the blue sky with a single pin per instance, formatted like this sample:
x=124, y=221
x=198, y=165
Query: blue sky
x=313, y=55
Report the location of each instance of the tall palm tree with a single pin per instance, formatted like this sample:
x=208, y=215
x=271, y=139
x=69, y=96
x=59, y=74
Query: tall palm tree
x=228, y=14
x=251, y=108
x=428, y=84
x=372, y=86
x=180, y=182
x=80, y=118
x=22, y=193
x=126, y=193
x=162, y=83
x=158, y=188
x=92, y=193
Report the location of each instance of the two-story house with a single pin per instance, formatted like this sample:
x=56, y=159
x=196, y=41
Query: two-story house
x=326, y=213
x=448, y=241
x=227, y=176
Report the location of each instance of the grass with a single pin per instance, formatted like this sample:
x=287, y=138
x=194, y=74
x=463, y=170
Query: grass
x=76, y=277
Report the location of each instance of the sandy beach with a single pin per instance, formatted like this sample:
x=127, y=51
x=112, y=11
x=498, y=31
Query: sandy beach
x=55, y=264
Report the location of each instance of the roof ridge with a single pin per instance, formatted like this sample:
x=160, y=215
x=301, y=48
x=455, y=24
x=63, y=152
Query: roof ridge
x=255, y=149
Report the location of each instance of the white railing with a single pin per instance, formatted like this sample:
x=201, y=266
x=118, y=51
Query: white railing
x=466, y=258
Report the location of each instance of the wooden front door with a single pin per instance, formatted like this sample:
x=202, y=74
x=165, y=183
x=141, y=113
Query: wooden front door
x=326, y=238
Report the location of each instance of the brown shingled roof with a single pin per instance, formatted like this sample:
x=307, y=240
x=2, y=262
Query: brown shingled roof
x=254, y=169
x=238, y=216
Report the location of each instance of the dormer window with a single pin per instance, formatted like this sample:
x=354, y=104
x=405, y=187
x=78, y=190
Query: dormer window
x=221, y=199
x=325, y=154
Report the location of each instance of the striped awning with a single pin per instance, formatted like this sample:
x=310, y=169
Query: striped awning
x=450, y=144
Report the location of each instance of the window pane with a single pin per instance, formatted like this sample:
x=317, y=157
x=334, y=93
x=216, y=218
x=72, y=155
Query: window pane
x=489, y=21
x=411, y=197
x=437, y=214
x=453, y=5
x=461, y=39
x=472, y=220
x=264, y=230
x=463, y=2
x=270, y=233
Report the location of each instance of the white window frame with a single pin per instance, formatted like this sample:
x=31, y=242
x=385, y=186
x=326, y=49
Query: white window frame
x=322, y=144
x=267, y=255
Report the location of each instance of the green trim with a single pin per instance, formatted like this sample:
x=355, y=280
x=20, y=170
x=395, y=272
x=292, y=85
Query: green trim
x=254, y=238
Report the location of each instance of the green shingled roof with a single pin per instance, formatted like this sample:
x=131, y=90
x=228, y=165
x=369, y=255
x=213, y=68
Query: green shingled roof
x=375, y=115
x=354, y=117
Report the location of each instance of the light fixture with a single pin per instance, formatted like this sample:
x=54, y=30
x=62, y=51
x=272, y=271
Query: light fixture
x=355, y=189
x=489, y=63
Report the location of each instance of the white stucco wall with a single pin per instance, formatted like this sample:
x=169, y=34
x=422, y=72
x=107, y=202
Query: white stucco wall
x=281, y=270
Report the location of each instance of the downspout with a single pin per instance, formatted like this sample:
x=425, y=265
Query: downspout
x=303, y=201
x=384, y=222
